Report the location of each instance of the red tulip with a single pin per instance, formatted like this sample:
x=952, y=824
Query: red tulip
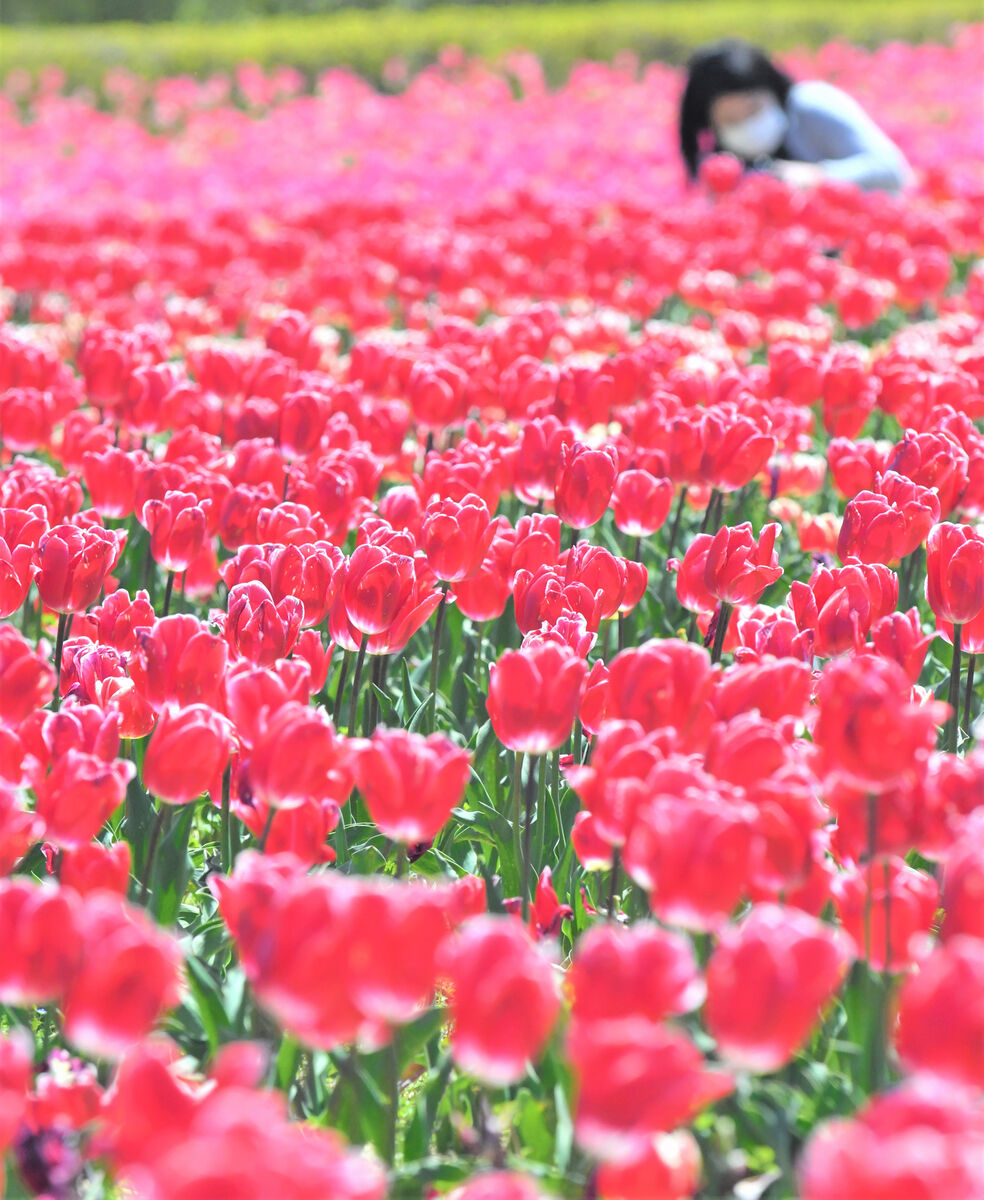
x=455, y=536
x=311, y=573
x=177, y=525
x=840, y=604
x=888, y=523
x=933, y=460
x=177, y=661
x=899, y=636
x=73, y=563
x=585, y=482
x=20, y=532
x=663, y=684
x=411, y=783
x=635, y=1079
x=376, y=586
x=644, y=971
x=503, y=999
x=302, y=831
x=616, y=583
x=868, y=729
x=738, y=569
x=641, y=502
x=115, y=622
x=668, y=1169
x=259, y=629
x=955, y=572
x=129, y=974
x=768, y=980
x=963, y=887
x=94, y=867
x=111, y=477
x=547, y=914
x=941, y=1014
x=16, y=1070
x=19, y=829
x=901, y=904
x=26, y=680
x=296, y=758
x=691, y=587
x=187, y=754
x=921, y=1139
x=40, y=951
x=497, y=1185
x=693, y=854
x=79, y=795
x=856, y=464
x=534, y=695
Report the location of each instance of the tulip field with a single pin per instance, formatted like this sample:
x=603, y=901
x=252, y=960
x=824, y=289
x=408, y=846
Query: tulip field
x=489, y=685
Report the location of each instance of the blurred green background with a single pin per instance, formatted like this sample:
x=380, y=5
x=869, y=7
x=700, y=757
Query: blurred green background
x=201, y=36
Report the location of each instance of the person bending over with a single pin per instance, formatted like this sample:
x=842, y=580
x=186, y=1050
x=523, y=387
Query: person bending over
x=737, y=99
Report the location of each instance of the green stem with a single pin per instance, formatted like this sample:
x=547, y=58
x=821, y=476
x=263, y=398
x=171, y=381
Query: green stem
x=168, y=589
x=969, y=692
x=356, y=683
x=436, y=657
x=613, y=884
x=675, y=527
x=226, y=821
x=517, y=790
x=59, y=648
x=721, y=632
x=266, y=830
x=401, y=860
x=711, y=511
x=151, y=851
x=393, y=1114
x=336, y=712
x=531, y=788
x=953, y=695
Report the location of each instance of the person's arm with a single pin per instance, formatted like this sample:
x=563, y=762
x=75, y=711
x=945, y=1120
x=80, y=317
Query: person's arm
x=846, y=142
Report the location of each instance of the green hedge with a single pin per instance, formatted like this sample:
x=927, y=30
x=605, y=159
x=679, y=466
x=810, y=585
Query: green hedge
x=560, y=34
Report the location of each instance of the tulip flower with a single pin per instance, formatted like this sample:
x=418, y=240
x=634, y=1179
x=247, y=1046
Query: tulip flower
x=921, y=1138
x=259, y=629
x=941, y=1014
x=26, y=680
x=644, y=971
x=130, y=973
x=410, y=783
x=641, y=503
x=883, y=918
x=187, y=753
x=669, y=1168
x=503, y=1000
x=868, y=729
x=887, y=524
x=768, y=980
x=585, y=483
x=177, y=525
x=20, y=532
x=73, y=562
x=635, y=1079
x=534, y=695
x=79, y=795
x=177, y=661
x=111, y=477
x=840, y=604
x=455, y=536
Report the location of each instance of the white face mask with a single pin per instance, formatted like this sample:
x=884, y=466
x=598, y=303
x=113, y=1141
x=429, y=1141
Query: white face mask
x=757, y=136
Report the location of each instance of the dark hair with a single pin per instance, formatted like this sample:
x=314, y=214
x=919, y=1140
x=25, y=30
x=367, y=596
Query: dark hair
x=730, y=65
